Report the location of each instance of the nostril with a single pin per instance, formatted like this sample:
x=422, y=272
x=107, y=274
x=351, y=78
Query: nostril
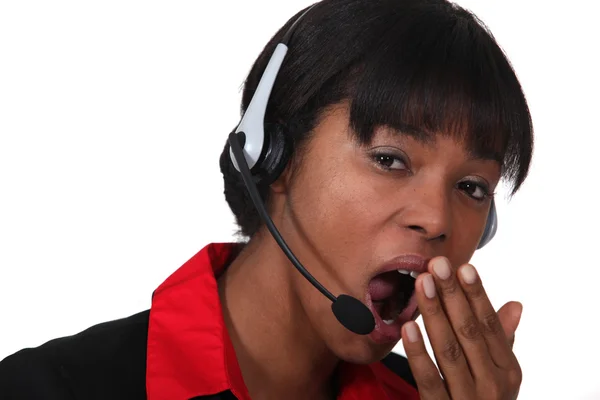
x=441, y=237
x=417, y=228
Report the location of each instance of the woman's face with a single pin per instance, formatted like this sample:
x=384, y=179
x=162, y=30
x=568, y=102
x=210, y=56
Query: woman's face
x=355, y=214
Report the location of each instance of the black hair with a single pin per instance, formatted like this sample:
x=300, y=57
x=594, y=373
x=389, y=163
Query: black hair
x=423, y=67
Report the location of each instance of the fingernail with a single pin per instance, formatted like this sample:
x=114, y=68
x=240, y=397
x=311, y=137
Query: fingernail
x=468, y=274
x=412, y=331
x=429, y=286
x=441, y=267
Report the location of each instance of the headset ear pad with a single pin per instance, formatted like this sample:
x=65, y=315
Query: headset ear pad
x=274, y=160
x=491, y=226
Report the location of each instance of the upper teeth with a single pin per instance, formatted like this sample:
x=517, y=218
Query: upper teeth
x=414, y=274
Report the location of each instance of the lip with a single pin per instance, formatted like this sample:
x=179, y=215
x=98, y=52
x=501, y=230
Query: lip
x=386, y=334
x=383, y=333
x=409, y=262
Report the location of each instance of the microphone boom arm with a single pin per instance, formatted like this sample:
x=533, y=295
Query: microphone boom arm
x=260, y=207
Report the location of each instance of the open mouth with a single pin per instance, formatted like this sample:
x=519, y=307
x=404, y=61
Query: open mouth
x=391, y=293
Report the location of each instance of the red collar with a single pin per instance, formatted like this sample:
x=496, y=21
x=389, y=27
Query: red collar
x=190, y=353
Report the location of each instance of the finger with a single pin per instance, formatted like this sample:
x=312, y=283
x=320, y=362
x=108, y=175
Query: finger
x=448, y=352
x=511, y=341
x=462, y=319
x=510, y=316
x=426, y=374
x=493, y=331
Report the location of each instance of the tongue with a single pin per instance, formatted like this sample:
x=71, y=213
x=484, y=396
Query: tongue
x=383, y=286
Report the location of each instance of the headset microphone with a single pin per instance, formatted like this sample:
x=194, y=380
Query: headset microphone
x=349, y=311
x=260, y=153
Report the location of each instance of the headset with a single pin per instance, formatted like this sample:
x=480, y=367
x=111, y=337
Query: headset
x=260, y=152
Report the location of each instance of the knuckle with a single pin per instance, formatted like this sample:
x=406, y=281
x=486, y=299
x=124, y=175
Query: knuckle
x=515, y=377
x=449, y=289
x=415, y=352
x=432, y=309
x=491, y=323
x=470, y=328
x=476, y=292
x=502, y=386
x=494, y=389
x=430, y=381
x=493, y=392
x=451, y=351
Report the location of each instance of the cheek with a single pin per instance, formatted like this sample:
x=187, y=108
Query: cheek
x=467, y=228
x=339, y=211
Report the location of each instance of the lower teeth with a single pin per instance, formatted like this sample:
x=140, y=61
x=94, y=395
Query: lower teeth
x=394, y=316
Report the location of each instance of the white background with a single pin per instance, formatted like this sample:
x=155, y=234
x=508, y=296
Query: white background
x=112, y=118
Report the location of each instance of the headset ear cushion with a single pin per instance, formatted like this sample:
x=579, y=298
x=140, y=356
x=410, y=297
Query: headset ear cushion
x=276, y=157
x=491, y=226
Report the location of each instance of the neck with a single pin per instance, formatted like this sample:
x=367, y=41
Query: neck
x=279, y=353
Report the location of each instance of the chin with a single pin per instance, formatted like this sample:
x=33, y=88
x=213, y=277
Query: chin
x=361, y=350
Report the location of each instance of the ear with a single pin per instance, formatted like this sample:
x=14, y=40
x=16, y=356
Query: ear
x=282, y=182
x=284, y=167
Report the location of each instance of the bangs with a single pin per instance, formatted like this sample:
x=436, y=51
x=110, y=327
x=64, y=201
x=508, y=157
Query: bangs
x=443, y=74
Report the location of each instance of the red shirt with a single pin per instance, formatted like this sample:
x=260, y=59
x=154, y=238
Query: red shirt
x=190, y=352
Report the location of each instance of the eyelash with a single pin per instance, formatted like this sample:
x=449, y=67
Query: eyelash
x=483, y=187
x=377, y=158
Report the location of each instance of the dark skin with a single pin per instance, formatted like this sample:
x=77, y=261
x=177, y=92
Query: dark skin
x=472, y=343
x=344, y=209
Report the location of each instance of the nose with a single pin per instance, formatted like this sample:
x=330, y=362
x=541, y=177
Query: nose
x=428, y=215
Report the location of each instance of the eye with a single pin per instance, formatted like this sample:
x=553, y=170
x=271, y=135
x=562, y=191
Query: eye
x=389, y=161
x=476, y=190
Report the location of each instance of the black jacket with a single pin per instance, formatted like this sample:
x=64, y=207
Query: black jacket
x=106, y=361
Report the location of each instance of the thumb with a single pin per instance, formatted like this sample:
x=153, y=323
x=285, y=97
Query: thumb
x=510, y=316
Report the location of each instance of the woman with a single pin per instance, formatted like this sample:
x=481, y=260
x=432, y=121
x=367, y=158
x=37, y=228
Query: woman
x=390, y=124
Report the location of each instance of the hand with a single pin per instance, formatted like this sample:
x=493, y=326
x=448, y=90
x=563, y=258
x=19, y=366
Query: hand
x=472, y=342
